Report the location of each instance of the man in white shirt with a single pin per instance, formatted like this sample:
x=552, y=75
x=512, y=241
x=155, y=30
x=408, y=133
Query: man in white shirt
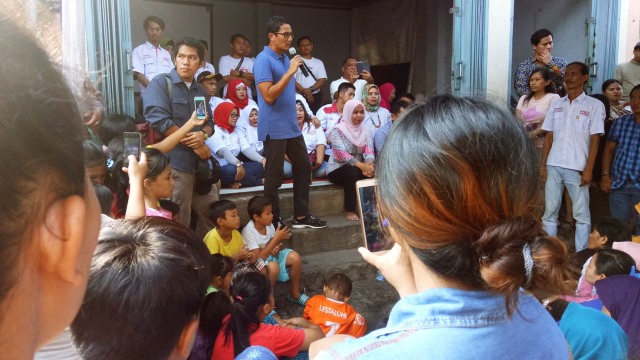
x=310, y=86
x=330, y=114
x=574, y=125
x=350, y=75
x=236, y=65
x=150, y=59
x=206, y=65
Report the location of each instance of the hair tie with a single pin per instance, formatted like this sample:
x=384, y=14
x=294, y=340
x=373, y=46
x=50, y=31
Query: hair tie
x=528, y=264
x=109, y=163
x=239, y=298
x=634, y=273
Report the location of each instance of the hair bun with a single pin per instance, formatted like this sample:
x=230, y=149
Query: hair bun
x=502, y=250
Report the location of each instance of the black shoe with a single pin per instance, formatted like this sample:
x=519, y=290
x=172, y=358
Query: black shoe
x=308, y=222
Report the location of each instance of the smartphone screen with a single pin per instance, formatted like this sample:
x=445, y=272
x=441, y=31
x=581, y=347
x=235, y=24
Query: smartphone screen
x=201, y=109
x=132, y=145
x=374, y=236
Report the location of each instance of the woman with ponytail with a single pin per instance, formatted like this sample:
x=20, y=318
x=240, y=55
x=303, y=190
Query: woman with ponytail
x=458, y=192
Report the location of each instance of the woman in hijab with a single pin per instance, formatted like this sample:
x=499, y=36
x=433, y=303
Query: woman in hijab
x=237, y=95
x=620, y=296
x=387, y=94
x=352, y=156
x=226, y=144
x=375, y=116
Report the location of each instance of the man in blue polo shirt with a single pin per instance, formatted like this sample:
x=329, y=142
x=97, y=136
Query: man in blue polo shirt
x=623, y=179
x=278, y=128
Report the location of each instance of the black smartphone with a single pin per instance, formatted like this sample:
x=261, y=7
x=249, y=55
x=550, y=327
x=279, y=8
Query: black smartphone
x=201, y=109
x=132, y=144
x=363, y=66
x=372, y=232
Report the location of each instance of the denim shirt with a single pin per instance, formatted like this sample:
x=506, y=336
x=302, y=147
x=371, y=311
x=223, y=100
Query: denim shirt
x=458, y=324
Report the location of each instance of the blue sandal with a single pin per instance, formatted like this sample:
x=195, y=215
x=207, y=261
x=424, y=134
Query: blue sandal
x=302, y=300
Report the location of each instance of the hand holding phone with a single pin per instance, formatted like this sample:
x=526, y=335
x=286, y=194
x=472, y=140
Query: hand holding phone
x=201, y=108
x=363, y=66
x=132, y=145
x=373, y=236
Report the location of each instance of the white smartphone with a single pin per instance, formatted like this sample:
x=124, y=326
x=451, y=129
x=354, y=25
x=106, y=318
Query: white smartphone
x=132, y=144
x=201, y=107
x=374, y=237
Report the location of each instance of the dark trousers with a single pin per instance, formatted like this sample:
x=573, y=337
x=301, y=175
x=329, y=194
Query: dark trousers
x=253, y=174
x=296, y=150
x=347, y=176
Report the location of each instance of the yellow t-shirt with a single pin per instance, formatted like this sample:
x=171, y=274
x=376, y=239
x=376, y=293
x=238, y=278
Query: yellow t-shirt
x=218, y=246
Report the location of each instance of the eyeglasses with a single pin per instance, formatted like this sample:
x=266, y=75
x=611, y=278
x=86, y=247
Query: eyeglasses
x=234, y=115
x=285, y=34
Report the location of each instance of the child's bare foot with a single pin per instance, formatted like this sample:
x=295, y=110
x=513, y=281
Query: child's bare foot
x=235, y=185
x=352, y=216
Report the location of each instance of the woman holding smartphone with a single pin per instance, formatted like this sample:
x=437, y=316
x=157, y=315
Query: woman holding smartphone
x=49, y=214
x=457, y=188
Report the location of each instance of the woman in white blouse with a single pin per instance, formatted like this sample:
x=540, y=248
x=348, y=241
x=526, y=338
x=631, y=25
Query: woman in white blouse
x=226, y=144
x=316, y=143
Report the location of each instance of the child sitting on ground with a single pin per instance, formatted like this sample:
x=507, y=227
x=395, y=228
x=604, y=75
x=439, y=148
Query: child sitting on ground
x=607, y=233
x=331, y=311
x=221, y=273
x=265, y=242
x=225, y=238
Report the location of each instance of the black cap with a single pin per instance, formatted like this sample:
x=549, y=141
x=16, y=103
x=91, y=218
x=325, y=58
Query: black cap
x=208, y=75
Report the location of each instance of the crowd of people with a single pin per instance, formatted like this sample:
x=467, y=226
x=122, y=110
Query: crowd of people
x=489, y=278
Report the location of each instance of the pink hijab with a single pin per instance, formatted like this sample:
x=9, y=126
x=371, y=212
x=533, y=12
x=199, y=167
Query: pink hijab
x=356, y=134
x=385, y=90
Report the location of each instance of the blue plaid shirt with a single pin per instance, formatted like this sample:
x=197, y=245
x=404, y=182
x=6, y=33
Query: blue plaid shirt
x=626, y=159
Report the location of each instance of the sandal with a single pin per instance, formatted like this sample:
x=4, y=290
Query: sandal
x=302, y=300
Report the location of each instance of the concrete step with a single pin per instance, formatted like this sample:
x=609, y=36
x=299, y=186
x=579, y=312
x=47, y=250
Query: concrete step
x=325, y=199
x=340, y=234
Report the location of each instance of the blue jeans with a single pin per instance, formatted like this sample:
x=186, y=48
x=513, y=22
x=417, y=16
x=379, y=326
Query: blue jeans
x=621, y=203
x=557, y=179
x=320, y=172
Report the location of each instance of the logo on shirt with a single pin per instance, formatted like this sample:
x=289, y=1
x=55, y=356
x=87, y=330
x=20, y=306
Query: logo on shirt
x=330, y=311
x=557, y=110
x=584, y=112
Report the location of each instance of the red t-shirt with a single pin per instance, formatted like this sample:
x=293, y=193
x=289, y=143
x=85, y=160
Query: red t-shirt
x=281, y=340
x=334, y=317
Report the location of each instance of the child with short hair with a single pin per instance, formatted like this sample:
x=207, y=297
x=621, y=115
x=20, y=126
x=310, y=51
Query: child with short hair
x=127, y=313
x=265, y=242
x=225, y=238
x=331, y=311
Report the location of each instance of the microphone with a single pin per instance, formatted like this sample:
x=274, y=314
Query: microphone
x=303, y=67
